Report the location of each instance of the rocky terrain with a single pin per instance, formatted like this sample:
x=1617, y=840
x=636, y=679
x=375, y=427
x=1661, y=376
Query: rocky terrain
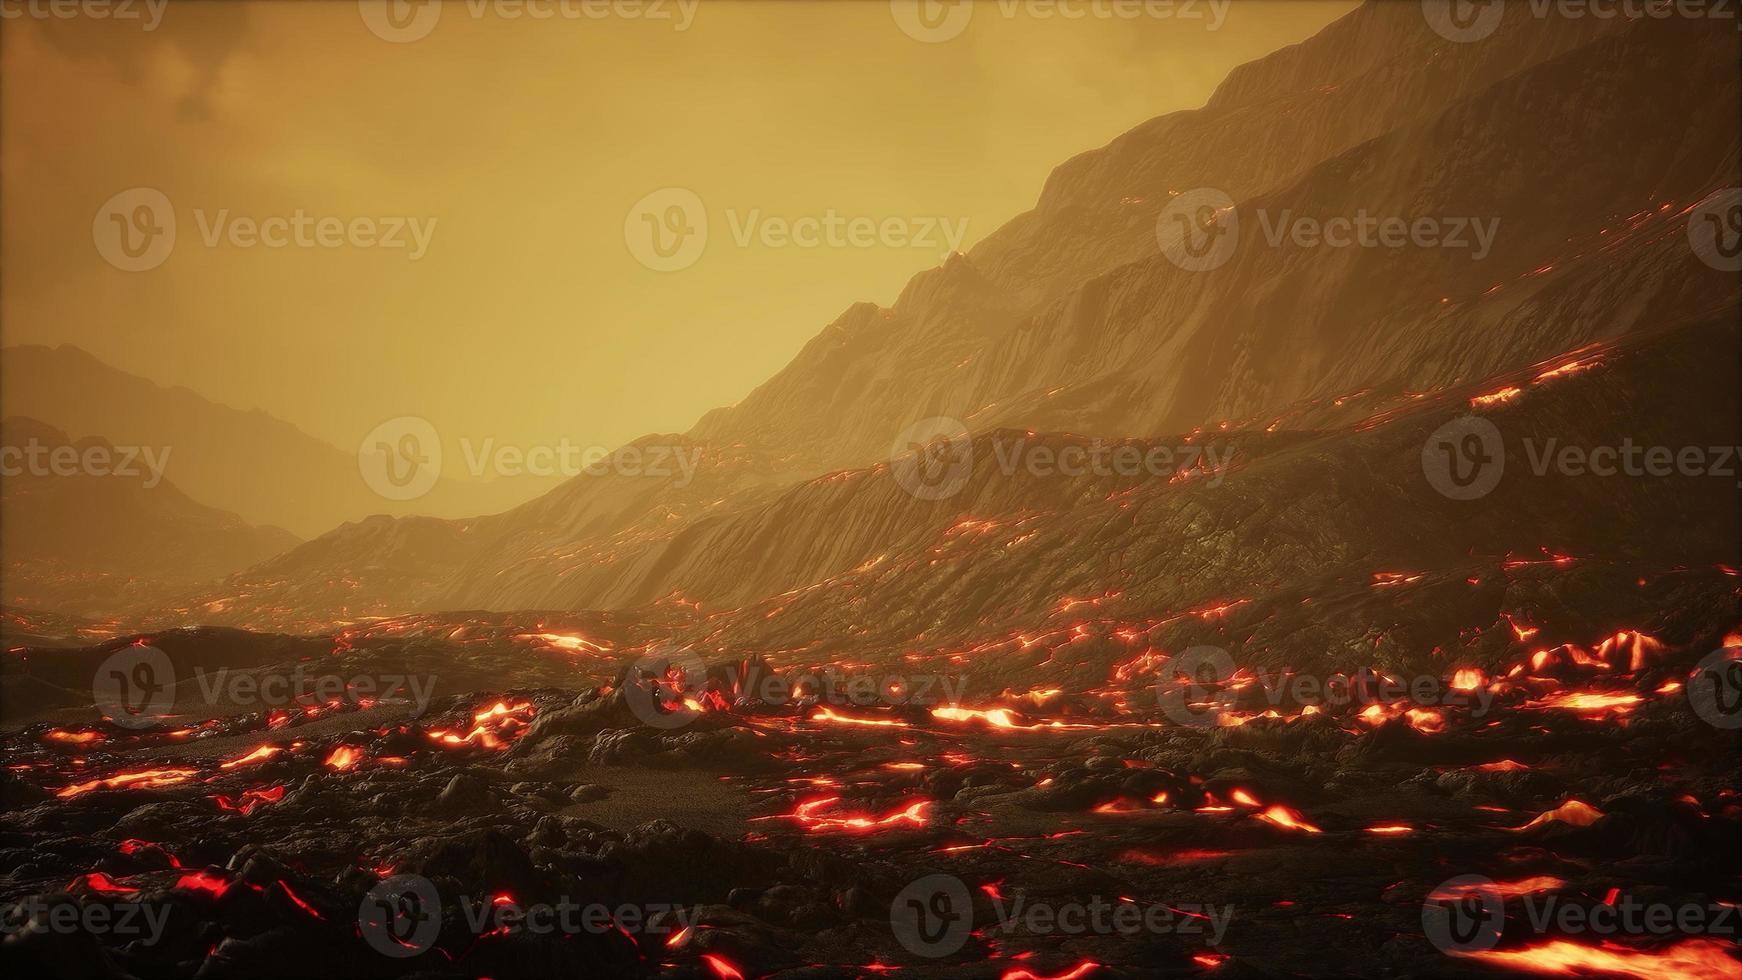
x=1081, y=615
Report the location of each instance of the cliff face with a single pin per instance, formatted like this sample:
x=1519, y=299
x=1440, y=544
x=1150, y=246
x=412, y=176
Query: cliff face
x=1070, y=317
x=1379, y=71
x=1073, y=320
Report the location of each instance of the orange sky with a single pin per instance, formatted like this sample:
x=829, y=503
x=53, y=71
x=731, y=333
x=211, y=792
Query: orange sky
x=519, y=147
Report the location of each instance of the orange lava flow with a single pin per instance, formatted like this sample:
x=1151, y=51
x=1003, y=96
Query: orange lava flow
x=569, y=642
x=249, y=799
x=996, y=717
x=1574, y=812
x=72, y=738
x=492, y=728
x=1505, y=889
x=722, y=968
x=143, y=779
x=1288, y=819
x=1694, y=959
x=913, y=815
x=830, y=715
x=1077, y=972
x=260, y=754
x=1589, y=702
x=1496, y=397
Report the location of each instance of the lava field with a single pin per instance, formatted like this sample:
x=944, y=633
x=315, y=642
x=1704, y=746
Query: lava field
x=1151, y=588
x=746, y=819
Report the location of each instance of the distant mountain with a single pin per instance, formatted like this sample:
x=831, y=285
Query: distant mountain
x=261, y=467
x=89, y=529
x=1072, y=320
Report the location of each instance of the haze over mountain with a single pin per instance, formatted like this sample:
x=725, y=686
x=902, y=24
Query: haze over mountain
x=261, y=467
x=93, y=541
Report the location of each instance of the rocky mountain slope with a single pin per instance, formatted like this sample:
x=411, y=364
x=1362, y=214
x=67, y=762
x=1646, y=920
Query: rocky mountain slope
x=1375, y=116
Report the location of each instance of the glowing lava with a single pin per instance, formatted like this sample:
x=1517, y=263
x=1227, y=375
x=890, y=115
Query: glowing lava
x=1693, y=959
x=809, y=816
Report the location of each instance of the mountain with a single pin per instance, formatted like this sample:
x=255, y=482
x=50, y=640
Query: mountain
x=259, y=466
x=1072, y=320
x=1375, y=112
x=90, y=529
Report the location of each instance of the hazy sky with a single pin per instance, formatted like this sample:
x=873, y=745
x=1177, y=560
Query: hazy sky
x=527, y=142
